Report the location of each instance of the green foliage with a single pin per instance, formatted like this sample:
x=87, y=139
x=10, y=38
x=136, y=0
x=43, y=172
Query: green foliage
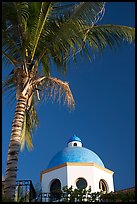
x=121, y=196
x=21, y=194
x=29, y=126
x=46, y=31
x=85, y=195
x=80, y=195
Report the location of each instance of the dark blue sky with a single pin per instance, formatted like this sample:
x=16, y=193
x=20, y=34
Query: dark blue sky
x=104, y=93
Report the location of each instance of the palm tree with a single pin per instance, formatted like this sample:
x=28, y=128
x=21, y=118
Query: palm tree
x=35, y=35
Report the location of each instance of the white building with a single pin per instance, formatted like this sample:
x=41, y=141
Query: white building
x=76, y=166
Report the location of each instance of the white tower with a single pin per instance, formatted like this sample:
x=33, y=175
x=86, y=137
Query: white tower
x=77, y=166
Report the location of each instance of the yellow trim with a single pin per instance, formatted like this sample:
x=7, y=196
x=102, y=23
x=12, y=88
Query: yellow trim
x=89, y=164
x=51, y=169
x=74, y=164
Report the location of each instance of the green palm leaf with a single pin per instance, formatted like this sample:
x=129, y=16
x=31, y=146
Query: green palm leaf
x=29, y=126
x=9, y=83
x=109, y=35
x=45, y=9
x=61, y=21
x=23, y=134
x=15, y=31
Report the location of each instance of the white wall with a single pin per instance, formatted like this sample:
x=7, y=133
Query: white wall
x=74, y=172
x=47, y=178
x=100, y=174
x=69, y=174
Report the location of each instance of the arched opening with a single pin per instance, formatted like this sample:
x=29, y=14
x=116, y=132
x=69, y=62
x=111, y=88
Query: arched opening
x=55, y=190
x=81, y=183
x=103, y=186
x=75, y=144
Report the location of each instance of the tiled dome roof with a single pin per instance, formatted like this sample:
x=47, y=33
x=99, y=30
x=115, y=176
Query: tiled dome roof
x=75, y=154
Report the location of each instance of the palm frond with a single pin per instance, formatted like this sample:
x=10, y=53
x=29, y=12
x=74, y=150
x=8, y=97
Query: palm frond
x=9, y=16
x=10, y=39
x=88, y=12
x=15, y=27
x=11, y=50
x=32, y=118
x=8, y=83
x=29, y=126
x=62, y=8
x=109, y=35
x=28, y=140
x=26, y=136
x=54, y=88
x=63, y=29
x=45, y=66
x=45, y=9
x=62, y=38
x=22, y=10
x=9, y=89
x=12, y=60
x=23, y=134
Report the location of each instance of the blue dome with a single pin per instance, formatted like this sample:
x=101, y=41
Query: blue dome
x=74, y=138
x=75, y=154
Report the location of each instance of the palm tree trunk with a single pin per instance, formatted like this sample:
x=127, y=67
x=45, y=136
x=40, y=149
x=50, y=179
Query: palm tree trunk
x=14, y=148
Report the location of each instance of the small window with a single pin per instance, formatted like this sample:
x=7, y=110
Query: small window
x=55, y=190
x=81, y=183
x=75, y=144
x=103, y=185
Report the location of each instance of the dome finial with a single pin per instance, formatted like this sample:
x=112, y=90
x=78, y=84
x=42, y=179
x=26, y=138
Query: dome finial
x=74, y=141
